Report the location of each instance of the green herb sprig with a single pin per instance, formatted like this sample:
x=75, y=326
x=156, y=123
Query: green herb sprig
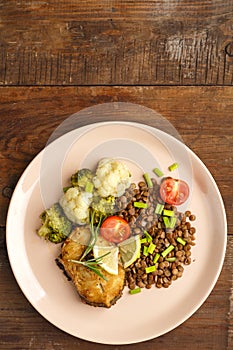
x=94, y=233
x=92, y=264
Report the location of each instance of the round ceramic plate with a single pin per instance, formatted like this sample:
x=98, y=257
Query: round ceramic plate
x=133, y=318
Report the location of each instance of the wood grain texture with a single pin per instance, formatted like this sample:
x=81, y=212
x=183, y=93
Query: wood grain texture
x=109, y=42
x=162, y=54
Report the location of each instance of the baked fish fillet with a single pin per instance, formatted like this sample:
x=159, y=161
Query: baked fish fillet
x=92, y=289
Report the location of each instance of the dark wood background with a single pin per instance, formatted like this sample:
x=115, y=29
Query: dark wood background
x=121, y=42
x=58, y=57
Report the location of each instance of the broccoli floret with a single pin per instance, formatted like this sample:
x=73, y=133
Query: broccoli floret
x=82, y=178
x=103, y=206
x=56, y=227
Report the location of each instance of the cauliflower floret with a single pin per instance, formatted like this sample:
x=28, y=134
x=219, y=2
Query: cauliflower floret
x=75, y=205
x=112, y=178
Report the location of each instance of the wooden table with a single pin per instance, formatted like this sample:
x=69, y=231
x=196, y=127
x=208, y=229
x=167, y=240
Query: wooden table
x=58, y=57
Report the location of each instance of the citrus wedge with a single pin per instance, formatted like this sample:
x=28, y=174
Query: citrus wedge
x=109, y=262
x=130, y=250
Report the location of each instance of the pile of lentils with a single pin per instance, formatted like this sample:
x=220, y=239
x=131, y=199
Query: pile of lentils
x=167, y=268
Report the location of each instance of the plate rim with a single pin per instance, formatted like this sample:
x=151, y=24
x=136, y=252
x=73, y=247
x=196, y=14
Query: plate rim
x=144, y=127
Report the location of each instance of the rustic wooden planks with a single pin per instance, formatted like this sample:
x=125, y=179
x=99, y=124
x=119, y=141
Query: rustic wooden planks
x=58, y=57
x=201, y=115
x=116, y=42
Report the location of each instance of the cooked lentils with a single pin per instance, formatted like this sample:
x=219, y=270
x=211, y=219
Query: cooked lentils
x=145, y=219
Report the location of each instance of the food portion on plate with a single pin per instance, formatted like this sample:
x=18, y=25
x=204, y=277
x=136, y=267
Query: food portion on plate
x=92, y=288
x=116, y=233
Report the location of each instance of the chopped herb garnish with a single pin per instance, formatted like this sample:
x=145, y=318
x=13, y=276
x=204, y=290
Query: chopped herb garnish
x=140, y=205
x=156, y=258
x=169, y=222
x=150, y=269
x=159, y=208
x=143, y=240
x=171, y=259
x=166, y=221
x=167, y=212
x=145, y=250
x=135, y=291
x=151, y=248
x=158, y=172
x=167, y=250
x=148, y=236
x=181, y=241
x=173, y=166
x=148, y=180
x=172, y=222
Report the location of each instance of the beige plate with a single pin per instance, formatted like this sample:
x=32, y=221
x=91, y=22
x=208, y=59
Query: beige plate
x=134, y=318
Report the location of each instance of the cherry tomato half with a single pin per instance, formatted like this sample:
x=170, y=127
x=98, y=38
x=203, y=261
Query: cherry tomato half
x=173, y=191
x=115, y=229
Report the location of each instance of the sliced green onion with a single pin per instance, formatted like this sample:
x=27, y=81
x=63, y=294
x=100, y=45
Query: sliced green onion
x=173, y=166
x=143, y=240
x=169, y=222
x=135, y=291
x=158, y=172
x=181, y=241
x=145, y=250
x=151, y=248
x=168, y=212
x=166, y=221
x=148, y=236
x=89, y=187
x=167, y=250
x=140, y=205
x=172, y=222
x=172, y=259
x=150, y=269
x=148, y=180
x=156, y=258
x=159, y=208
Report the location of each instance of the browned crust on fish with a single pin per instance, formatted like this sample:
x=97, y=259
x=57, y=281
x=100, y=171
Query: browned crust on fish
x=92, y=289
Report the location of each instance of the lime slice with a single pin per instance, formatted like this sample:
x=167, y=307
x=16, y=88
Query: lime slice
x=109, y=262
x=130, y=250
